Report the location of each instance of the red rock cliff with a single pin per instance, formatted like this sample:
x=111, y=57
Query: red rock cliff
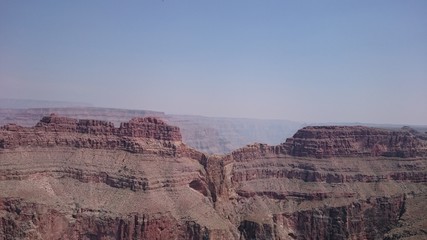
x=343, y=141
x=56, y=130
x=85, y=179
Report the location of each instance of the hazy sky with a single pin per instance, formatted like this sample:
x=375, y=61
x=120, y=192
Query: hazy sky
x=311, y=61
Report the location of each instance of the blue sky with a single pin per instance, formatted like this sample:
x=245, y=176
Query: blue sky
x=311, y=61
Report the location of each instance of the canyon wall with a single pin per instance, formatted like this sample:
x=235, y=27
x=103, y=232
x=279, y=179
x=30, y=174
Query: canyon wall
x=66, y=178
x=208, y=134
x=342, y=141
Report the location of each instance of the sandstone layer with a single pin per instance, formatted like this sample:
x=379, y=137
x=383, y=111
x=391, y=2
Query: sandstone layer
x=86, y=179
x=358, y=141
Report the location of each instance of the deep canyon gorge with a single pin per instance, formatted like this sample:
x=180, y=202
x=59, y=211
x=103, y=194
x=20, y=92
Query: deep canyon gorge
x=67, y=178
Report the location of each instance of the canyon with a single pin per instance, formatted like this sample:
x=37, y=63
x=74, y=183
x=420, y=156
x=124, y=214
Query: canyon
x=69, y=178
x=213, y=135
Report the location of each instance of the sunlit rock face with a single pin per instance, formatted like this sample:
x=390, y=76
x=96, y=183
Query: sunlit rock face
x=357, y=141
x=66, y=178
x=207, y=134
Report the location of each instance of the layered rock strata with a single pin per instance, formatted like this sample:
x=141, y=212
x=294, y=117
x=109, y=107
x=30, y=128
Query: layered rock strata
x=207, y=134
x=148, y=135
x=86, y=179
x=356, y=141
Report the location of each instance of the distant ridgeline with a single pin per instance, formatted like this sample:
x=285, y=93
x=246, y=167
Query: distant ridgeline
x=312, y=141
x=207, y=134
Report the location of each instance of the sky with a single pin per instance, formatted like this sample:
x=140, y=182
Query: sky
x=311, y=61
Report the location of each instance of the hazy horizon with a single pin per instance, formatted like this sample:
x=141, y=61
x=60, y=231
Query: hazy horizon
x=305, y=61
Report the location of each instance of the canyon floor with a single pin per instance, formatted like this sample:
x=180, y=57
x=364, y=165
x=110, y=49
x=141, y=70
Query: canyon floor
x=87, y=179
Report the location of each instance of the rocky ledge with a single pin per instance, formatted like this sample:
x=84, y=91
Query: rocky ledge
x=137, y=136
x=354, y=141
x=147, y=127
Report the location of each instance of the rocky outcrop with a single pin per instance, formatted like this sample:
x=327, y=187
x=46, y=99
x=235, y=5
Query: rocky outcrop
x=206, y=134
x=23, y=218
x=340, y=141
x=57, y=131
x=368, y=219
x=87, y=179
x=351, y=191
x=147, y=127
x=356, y=141
x=63, y=159
x=30, y=116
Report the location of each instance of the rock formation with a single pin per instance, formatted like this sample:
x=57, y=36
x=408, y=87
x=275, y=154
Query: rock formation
x=358, y=141
x=96, y=134
x=206, y=134
x=87, y=179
